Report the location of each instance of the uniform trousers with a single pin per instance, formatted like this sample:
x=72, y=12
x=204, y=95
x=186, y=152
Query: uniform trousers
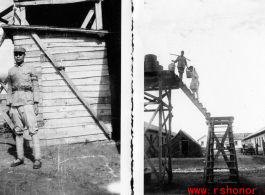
x=25, y=119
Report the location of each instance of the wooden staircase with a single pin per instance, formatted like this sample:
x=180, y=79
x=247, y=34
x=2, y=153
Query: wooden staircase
x=194, y=100
x=224, y=170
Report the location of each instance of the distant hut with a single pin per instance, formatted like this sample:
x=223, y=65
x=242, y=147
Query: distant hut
x=183, y=145
x=66, y=43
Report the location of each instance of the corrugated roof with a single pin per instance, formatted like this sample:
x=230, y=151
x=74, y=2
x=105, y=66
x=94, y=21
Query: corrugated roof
x=260, y=131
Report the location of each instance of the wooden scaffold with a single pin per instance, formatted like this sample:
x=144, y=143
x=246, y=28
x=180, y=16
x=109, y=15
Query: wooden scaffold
x=162, y=82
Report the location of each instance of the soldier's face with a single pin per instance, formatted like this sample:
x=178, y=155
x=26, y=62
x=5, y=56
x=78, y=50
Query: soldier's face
x=19, y=57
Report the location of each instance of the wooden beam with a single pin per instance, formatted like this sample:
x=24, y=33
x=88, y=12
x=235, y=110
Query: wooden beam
x=7, y=119
x=6, y=11
x=3, y=85
x=150, y=103
x=222, y=150
x=79, y=95
x=3, y=20
x=169, y=144
x=149, y=99
x=2, y=38
x=156, y=98
x=46, y=28
x=151, y=165
x=151, y=120
x=150, y=143
x=222, y=142
x=98, y=9
x=49, y=2
x=165, y=120
x=153, y=110
x=160, y=132
x=88, y=18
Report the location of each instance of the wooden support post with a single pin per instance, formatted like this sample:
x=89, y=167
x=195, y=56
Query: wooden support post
x=169, y=139
x=88, y=18
x=98, y=9
x=70, y=83
x=263, y=147
x=208, y=157
x=160, y=132
x=212, y=151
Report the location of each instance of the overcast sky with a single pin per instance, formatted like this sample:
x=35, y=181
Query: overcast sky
x=224, y=39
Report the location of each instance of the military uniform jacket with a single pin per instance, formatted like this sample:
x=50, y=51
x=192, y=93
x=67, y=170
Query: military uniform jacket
x=23, y=86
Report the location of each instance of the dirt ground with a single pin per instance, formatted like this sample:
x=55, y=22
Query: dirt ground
x=87, y=168
x=188, y=173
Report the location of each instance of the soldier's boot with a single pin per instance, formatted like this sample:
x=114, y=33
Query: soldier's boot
x=20, y=151
x=37, y=153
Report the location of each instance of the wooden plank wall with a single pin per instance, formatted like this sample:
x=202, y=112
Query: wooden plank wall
x=85, y=59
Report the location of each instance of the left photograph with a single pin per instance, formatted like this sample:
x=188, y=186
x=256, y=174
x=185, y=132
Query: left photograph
x=60, y=76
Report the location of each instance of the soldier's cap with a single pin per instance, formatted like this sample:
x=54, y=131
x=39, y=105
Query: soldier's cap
x=20, y=49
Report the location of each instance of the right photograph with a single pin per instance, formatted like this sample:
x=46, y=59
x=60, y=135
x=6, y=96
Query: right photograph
x=203, y=64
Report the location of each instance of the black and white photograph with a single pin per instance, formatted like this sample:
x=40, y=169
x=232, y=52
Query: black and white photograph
x=60, y=78
x=202, y=63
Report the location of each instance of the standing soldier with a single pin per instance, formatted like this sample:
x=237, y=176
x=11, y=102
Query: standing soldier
x=182, y=62
x=22, y=105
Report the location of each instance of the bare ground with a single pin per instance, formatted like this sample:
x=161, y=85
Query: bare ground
x=86, y=168
x=188, y=173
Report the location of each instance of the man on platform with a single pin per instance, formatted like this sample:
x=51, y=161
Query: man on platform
x=22, y=105
x=182, y=62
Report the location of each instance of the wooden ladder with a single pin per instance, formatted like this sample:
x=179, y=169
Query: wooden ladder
x=194, y=100
x=220, y=170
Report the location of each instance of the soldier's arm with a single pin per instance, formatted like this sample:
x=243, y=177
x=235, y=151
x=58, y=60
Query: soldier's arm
x=9, y=92
x=35, y=85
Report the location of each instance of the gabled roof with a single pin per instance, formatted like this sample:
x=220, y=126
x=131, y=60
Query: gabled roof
x=155, y=128
x=187, y=135
x=256, y=133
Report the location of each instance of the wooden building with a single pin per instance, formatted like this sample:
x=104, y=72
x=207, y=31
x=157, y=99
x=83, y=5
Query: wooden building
x=66, y=43
x=238, y=138
x=183, y=145
x=257, y=137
